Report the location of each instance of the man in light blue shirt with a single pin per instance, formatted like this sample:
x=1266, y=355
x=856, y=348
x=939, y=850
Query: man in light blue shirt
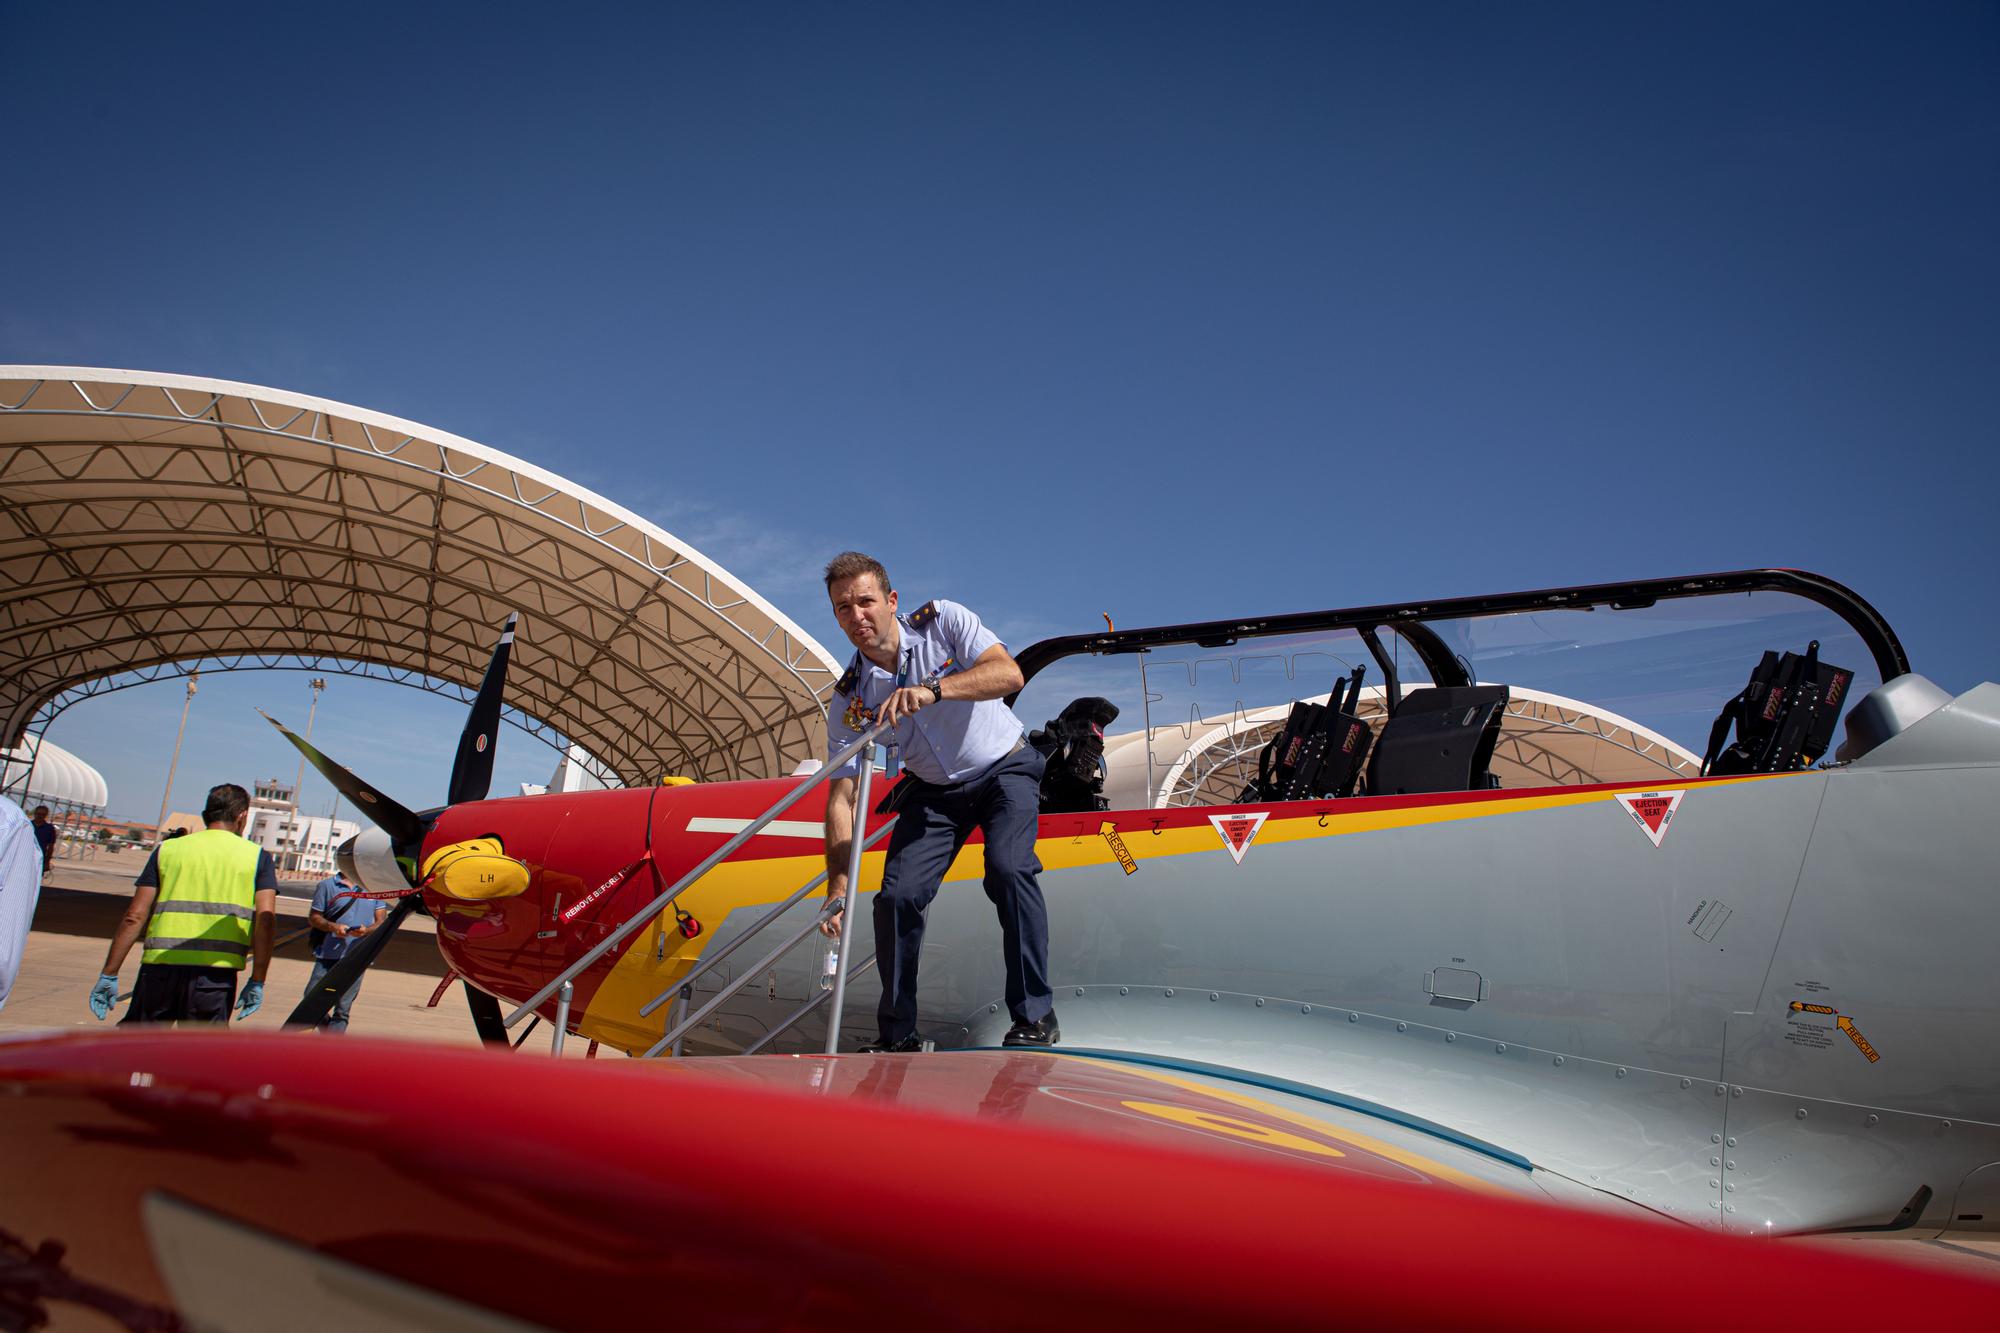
x=939, y=677
x=338, y=921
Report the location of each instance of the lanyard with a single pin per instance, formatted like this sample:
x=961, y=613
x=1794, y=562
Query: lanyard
x=889, y=739
x=859, y=715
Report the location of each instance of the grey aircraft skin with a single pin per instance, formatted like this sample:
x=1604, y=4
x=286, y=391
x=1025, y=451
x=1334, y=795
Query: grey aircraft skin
x=1778, y=1016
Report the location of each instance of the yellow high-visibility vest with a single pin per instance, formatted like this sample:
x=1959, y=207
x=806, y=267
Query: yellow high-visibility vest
x=207, y=901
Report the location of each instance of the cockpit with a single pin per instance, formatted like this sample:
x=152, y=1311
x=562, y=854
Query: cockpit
x=1658, y=681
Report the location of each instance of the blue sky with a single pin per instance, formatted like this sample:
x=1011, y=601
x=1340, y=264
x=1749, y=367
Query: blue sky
x=1168, y=311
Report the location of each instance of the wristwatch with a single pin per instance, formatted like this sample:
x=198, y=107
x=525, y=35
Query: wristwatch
x=937, y=691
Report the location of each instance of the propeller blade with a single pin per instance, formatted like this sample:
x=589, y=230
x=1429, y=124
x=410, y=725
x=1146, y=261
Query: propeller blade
x=400, y=824
x=319, y=1001
x=472, y=770
x=486, y=1016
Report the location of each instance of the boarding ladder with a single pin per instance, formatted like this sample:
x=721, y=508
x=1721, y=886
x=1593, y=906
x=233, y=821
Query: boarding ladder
x=681, y=992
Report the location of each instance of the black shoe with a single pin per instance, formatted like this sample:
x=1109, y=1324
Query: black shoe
x=1044, y=1033
x=900, y=1047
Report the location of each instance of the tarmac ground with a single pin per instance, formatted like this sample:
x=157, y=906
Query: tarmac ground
x=81, y=902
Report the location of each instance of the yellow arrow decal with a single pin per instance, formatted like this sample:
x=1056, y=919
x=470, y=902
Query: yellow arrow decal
x=1846, y=1024
x=1109, y=831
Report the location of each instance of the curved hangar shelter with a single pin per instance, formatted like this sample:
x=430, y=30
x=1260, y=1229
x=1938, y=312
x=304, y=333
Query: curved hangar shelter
x=152, y=521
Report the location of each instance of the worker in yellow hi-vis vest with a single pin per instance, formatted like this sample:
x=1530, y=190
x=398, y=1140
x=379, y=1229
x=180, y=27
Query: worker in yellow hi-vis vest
x=205, y=905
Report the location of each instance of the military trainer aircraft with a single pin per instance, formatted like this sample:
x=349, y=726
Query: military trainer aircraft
x=1668, y=897
x=1585, y=882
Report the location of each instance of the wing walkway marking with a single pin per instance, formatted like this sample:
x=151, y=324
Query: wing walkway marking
x=1353, y=1138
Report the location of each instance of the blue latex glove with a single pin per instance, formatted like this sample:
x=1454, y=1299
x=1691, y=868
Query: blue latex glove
x=250, y=1001
x=103, y=995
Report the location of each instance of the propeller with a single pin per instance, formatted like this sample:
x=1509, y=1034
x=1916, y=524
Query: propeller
x=472, y=770
x=471, y=776
x=388, y=814
x=319, y=1001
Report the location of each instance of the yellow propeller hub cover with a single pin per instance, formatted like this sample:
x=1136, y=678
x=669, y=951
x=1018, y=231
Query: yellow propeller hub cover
x=475, y=870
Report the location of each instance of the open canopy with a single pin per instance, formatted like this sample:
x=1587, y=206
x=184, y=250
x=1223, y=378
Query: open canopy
x=1605, y=683
x=148, y=520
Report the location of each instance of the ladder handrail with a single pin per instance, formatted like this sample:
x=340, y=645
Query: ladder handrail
x=845, y=948
x=713, y=859
x=846, y=932
x=711, y=960
x=728, y=992
x=812, y=1003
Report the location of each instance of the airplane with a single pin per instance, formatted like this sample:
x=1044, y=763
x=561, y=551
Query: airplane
x=1570, y=902
x=1553, y=908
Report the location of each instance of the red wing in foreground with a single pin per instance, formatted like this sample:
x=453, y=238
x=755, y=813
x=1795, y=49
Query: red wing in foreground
x=1002, y=1190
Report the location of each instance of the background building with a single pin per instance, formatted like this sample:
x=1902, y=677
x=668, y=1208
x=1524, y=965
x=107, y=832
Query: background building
x=302, y=845
x=73, y=791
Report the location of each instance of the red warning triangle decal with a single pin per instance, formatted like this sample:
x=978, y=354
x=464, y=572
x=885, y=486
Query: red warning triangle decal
x=1653, y=811
x=1238, y=830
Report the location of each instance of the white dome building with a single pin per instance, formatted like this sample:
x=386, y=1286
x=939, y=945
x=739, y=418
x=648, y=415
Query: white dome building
x=56, y=778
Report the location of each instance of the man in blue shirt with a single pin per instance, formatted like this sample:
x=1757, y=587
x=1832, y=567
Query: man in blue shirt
x=45, y=837
x=343, y=920
x=939, y=677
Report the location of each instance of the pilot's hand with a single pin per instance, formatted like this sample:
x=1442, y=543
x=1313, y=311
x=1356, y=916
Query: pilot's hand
x=901, y=703
x=829, y=925
x=250, y=1001
x=103, y=995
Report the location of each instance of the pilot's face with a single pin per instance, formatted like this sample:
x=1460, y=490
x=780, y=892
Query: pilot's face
x=867, y=615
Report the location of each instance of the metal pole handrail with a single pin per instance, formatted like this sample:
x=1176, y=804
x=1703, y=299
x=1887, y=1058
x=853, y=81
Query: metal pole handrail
x=713, y=859
x=839, y=989
x=856, y=844
x=818, y=999
x=723, y=995
x=847, y=911
x=717, y=957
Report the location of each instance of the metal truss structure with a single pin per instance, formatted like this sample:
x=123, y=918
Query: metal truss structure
x=154, y=524
x=209, y=666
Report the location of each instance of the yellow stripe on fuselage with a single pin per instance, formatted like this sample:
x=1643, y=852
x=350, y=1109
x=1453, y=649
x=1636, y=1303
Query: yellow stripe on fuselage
x=640, y=974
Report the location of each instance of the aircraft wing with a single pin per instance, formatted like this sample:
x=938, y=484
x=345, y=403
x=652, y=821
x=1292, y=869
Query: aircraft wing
x=237, y=1178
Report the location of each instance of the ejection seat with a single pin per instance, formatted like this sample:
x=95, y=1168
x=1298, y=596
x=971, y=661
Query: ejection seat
x=1319, y=752
x=1072, y=744
x=1784, y=716
x=1440, y=738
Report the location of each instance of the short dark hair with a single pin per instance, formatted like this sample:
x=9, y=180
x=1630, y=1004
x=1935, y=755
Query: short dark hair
x=226, y=804
x=41, y=809
x=852, y=564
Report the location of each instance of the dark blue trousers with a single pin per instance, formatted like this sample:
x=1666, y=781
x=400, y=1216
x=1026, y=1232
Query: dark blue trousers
x=932, y=825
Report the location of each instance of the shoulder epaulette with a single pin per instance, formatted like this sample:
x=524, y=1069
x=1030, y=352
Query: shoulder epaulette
x=845, y=685
x=923, y=615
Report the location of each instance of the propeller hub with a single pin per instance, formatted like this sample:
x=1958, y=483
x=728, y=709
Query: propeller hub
x=369, y=860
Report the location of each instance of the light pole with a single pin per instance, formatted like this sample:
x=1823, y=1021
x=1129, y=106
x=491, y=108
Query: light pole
x=160, y=826
x=298, y=783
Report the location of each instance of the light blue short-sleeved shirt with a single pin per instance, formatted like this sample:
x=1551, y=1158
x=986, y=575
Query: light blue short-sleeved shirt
x=947, y=741
x=348, y=912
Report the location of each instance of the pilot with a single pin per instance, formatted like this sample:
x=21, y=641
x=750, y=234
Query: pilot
x=938, y=676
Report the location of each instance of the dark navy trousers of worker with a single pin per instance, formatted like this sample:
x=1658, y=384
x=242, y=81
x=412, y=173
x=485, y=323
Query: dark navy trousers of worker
x=966, y=768
x=932, y=825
